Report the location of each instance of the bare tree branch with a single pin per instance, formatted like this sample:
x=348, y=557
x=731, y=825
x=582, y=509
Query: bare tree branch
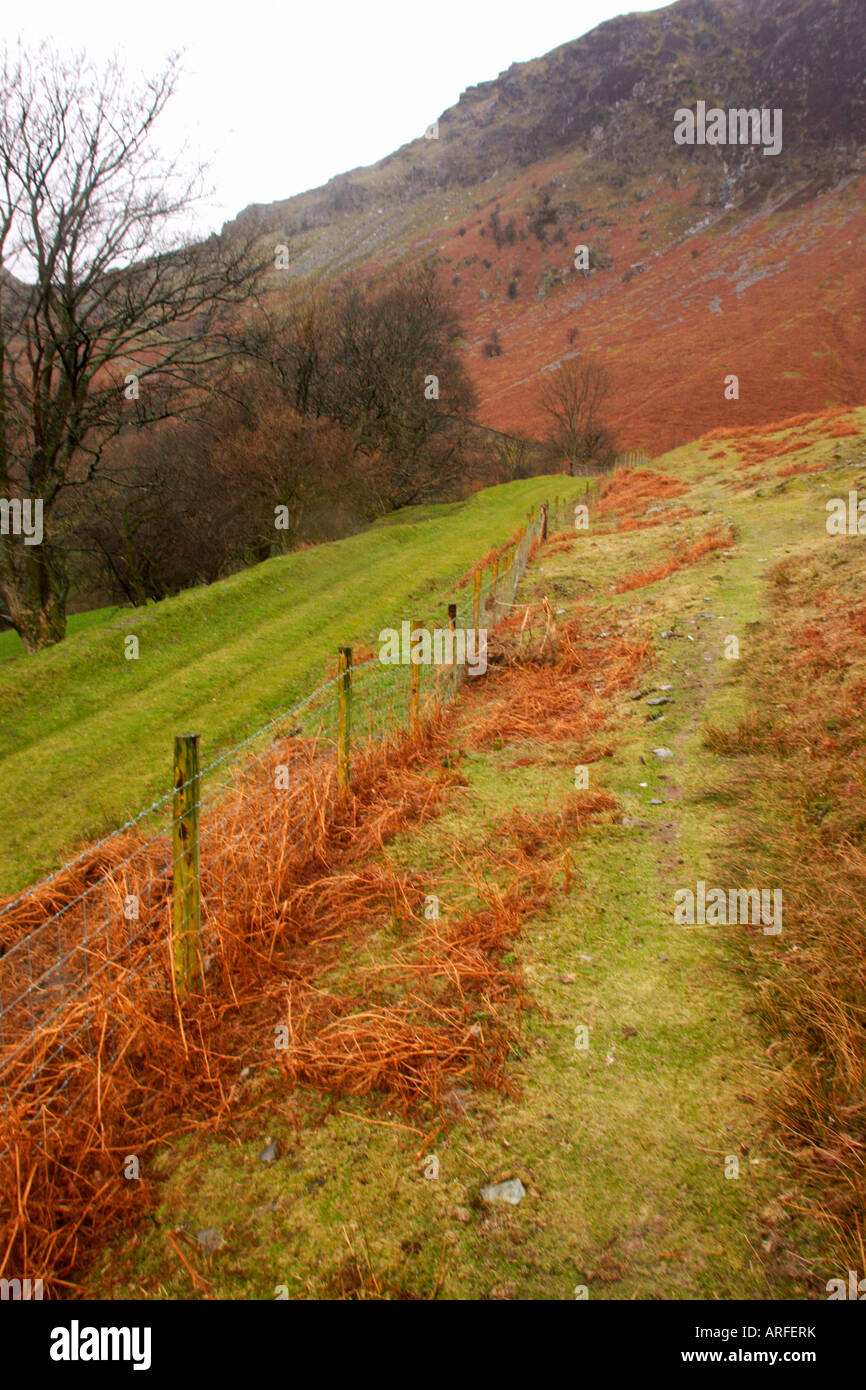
x=573, y=397
x=108, y=319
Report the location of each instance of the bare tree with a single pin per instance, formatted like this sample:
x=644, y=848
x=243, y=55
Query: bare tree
x=573, y=397
x=107, y=320
x=395, y=378
x=512, y=455
x=381, y=363
x=288, y=344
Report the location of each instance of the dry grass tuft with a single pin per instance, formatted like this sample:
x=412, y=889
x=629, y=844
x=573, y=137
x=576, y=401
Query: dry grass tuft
x=716, y=539
x=552, y=689
x=628, y=491
x=284, y=879
x=801, y=768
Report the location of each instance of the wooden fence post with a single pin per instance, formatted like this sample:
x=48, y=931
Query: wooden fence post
x=494, y=578
x=544, y=512
x=344, y=709
x=414, y=687
x=186, y=885
x=455, y=669
x=476, y=599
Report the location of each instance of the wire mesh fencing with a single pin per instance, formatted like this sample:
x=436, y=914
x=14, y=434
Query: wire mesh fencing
x=125, y=929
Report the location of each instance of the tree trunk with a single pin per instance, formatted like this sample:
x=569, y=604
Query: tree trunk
x=34, y=586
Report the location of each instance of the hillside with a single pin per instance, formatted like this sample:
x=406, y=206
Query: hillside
x=681, y=1105
x=333, y=974
x=86, y=734
x=704, y=261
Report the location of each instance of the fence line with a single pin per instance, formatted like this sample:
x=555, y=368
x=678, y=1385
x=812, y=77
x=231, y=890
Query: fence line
x=632, y=459
x=138, y=908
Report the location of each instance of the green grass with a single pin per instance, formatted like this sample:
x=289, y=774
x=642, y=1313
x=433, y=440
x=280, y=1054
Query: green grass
x=11, y=644
x=623, y=1161
x=86, y=735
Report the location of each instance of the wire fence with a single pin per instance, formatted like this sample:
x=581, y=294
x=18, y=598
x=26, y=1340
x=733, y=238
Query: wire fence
x=137, y=914
x=632, y=459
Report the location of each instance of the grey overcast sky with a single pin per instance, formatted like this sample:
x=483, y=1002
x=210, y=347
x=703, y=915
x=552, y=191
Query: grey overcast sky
x=279, y=97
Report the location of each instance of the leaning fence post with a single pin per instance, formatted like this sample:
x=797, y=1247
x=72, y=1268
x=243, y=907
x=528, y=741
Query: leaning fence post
x=186, y=887
x=454, y=664
x=344, y=710
x=476, y=600
x=414, y=685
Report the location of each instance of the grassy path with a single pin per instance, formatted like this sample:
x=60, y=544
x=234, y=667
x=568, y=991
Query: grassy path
x=86, y=735
x=648, y=1166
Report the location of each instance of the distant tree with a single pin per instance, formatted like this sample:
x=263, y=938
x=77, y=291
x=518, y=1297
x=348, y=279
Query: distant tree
x=289, y=343
x=391, y=373
x=105, y=322
x=493, y=347
x=512, y=454
x=190, y=501
x=502, y=235
x=573, y=398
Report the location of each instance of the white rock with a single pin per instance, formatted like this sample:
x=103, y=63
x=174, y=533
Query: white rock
x=511, y=1191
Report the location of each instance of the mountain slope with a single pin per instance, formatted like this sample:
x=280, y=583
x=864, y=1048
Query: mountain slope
x=705, y=261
